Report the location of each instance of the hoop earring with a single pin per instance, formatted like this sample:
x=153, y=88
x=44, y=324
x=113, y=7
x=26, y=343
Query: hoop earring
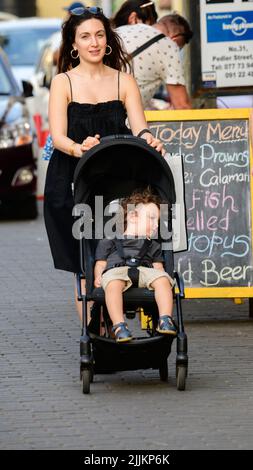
x=76, y=56
x=110, y=50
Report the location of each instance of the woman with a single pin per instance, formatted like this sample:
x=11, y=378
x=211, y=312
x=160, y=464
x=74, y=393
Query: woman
x=89, y=99
x=134, y=12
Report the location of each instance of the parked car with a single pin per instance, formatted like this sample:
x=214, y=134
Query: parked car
x=17, y=143
x=22, y=41
x=41, y=81
x=46, y=65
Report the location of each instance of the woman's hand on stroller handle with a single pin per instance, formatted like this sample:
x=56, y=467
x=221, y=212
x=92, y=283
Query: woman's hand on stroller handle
x=90, y=142
x=153, y=142
x=77, y=150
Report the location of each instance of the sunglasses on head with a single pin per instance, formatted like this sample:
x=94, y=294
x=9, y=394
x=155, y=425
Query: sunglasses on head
x=81, y=10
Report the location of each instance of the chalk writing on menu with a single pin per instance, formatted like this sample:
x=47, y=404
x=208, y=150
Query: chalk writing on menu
x=218, y=200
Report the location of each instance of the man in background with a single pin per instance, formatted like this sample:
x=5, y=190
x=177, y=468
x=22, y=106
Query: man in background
x=177, y=28
x=160, y=63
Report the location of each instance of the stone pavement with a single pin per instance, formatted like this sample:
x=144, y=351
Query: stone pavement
x=42, y=406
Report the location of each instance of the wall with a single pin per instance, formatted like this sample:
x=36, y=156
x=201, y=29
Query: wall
x=54, y=9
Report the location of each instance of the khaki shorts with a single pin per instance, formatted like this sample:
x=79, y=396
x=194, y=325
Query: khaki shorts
x=146, y=277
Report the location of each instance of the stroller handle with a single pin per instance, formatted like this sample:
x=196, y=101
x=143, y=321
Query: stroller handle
x=117, y=137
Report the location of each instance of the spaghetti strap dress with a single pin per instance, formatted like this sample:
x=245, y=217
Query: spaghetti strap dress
x=84, y=120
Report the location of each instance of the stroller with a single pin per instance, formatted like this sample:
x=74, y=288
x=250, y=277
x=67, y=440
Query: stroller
x=112, y=170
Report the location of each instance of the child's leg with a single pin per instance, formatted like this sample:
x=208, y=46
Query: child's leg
x=114, y=282
x=163, y=295
x=164, y=300
x=114, y=300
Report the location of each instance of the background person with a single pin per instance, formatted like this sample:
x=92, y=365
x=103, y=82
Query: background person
x=134, y=12
x=177, y=28
x=159, y=63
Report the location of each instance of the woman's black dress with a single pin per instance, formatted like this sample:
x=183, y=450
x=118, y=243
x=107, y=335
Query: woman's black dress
x=83, y=120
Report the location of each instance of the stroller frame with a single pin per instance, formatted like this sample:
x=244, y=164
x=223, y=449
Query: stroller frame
x=101, y=354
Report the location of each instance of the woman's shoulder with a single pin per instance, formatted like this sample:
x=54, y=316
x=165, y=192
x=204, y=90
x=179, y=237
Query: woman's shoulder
x=60, y=84
x=126, y=76
x=127, y=80
x=60, y=78
x=123, y=76
x=128, y=85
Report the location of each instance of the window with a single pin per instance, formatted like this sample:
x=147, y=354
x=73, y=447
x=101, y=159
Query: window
x=23, y=47
x=5, y=85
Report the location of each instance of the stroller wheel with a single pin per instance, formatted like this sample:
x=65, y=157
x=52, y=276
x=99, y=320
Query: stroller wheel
x=163, y=371
x=181, y=374
x=86, y=376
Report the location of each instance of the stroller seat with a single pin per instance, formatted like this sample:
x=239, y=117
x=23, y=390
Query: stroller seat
x=131, y=296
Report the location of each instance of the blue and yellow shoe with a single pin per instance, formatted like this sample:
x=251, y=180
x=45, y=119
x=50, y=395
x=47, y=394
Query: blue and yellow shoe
x=166, y=326
x=122, y=333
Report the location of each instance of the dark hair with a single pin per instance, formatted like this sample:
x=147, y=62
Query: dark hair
x=117, y=59
x=146, y=14
x=177, y=20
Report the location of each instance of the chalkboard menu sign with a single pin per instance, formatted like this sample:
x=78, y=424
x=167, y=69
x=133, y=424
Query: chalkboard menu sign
x=217, y=172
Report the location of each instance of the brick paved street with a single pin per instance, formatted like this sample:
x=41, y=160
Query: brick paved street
x=42, y=406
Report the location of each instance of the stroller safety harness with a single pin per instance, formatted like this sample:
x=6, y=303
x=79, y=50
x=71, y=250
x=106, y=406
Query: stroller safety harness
x=132, y=263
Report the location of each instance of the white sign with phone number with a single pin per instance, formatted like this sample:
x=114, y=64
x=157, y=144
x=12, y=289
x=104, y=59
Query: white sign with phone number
x=226, y=43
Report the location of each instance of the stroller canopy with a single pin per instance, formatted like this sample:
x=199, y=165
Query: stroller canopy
x=117, y=166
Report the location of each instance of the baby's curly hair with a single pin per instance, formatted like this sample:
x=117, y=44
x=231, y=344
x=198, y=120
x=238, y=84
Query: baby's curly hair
x=145, y=196
x=139, y=196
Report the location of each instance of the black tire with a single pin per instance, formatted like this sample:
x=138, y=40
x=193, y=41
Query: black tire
x=163, y=371
x=181, y=374
x=86, y=381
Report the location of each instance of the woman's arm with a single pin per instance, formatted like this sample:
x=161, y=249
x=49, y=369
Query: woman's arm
x=58, y=120
x=135, y=111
